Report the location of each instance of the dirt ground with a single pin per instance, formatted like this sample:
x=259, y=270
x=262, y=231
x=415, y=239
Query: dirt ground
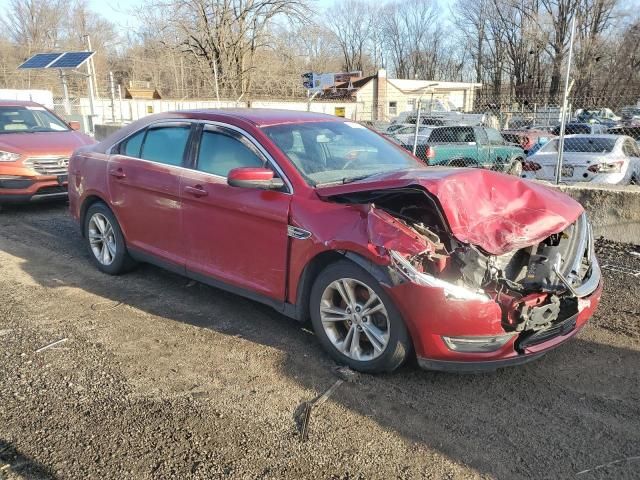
x=164, y=378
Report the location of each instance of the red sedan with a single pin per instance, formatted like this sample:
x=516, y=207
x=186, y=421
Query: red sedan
x=327, y=221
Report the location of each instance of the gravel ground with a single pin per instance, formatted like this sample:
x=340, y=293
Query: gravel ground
x=160, y=377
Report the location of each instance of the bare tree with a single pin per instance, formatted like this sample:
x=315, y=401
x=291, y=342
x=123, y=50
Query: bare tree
x=351, y=22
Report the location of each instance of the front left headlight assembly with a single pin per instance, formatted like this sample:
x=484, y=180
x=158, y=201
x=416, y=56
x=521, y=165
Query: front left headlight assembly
x=452, y=291
x=8, y=156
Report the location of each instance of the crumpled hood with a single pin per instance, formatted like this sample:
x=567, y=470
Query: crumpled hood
x=44, y=143
x=496, y=212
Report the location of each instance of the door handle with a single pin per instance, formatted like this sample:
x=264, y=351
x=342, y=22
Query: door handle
x=197, y=191
x=117, y=172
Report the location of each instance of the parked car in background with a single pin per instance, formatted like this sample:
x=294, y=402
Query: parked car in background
x=394, y=127
x=386, y=257
x=35, y=146
x=459, y=146
x=630, y=115
x=604, y=116
x=580, y=128
x=527, y=139
x=406, y=135
x=612, y=159
x=630, y=131
x=543, y=128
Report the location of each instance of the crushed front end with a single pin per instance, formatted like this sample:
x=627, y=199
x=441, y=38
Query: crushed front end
x=469, y=310
x=472, y=311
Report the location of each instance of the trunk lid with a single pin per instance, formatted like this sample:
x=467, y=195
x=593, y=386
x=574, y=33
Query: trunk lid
x=496, y=212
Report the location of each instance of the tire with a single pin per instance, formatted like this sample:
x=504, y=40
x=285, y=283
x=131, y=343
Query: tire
x=333, y=329
x=116, y=260
x=515, y=168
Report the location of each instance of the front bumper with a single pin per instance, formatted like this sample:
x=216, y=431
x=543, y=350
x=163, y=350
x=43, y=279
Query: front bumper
x=32, y=189
x=429, y=318
x=431, y=315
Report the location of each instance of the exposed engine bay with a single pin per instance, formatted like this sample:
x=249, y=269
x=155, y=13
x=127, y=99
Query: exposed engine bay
x=538, y=287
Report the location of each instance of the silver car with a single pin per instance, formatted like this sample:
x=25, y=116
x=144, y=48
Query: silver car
x=611, y=159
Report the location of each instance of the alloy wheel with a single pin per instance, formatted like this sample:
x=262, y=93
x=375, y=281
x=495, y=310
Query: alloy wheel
x=354, y=319
x=102, y=239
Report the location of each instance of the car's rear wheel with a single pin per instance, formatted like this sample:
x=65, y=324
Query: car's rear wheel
x=356, y=321
x=105, y=241
x=515, y=168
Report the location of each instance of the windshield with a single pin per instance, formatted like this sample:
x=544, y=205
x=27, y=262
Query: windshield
x=29, y=119
x=582, y=145
x=332, y=152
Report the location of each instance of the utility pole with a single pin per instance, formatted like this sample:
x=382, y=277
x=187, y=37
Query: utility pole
x=65, y=90
x=91, y=67
x=113, y=99
x=415, y=135
x=563, y=121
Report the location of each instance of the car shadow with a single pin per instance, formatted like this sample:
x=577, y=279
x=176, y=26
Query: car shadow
x=576, y=408
x=13, y=462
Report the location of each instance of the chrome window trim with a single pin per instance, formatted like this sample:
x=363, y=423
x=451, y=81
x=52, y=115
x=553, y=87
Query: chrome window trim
x=239, y=130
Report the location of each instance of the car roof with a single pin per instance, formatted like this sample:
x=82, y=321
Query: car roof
x=18, y=103
x=263, y=117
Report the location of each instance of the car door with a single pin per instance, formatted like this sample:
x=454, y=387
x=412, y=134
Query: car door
x=236, y=235
x=144, y=186
x=483, y=146
x=500, y=152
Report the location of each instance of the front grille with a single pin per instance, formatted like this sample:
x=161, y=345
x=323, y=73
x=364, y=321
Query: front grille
x=530, y=338
x=55, y=165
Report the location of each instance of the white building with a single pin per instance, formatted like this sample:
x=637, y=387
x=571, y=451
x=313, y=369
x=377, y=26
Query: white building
x=379, y=98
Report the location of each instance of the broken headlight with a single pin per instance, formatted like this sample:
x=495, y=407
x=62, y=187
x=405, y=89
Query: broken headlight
x=456, y=292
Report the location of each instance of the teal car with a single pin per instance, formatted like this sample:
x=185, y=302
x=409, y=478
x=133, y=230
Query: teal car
x=467, y=146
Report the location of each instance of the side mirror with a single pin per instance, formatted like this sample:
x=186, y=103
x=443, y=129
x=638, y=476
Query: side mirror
x=253, y=177
x=74, y=125
x=543, y=140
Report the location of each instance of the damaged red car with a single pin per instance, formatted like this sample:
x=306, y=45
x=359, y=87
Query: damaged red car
x=327, y=221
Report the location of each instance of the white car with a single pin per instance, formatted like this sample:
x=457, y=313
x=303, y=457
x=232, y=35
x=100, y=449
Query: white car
x=406, y=135
x=612, y=159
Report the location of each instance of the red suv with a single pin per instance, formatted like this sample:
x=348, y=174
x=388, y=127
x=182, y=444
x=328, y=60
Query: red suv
x=35, y=146
x=323, y=219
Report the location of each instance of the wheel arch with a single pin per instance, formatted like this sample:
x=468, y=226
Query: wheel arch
x=86, y=204
x=321, y=261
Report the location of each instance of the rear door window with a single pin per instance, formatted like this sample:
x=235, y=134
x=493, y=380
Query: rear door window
x=166, y=144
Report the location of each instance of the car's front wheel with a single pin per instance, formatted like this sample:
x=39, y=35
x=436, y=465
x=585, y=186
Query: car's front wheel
x=105, y=241
x=356, y=321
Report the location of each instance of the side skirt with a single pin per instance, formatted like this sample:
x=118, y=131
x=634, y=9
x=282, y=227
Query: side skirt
x=285, y=308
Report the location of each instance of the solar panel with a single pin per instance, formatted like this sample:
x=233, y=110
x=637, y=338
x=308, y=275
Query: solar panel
x=71, y=60
x=40, y=60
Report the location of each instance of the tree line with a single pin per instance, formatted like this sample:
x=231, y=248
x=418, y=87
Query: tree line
x=242, y=49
